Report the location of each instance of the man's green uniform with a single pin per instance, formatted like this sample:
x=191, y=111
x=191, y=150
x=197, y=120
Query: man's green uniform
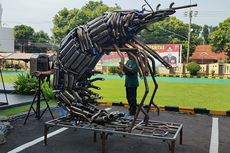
x=131, y=78
x=131, y=84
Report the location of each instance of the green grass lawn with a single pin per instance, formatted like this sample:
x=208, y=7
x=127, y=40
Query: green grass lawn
x=211, y=96
x=25, y=108
x=9, y=78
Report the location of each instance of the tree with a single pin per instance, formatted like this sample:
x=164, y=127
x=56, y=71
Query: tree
x=65, y=20
x=41, y=37
x=220, y=37
x=205, y=33
x=165, y=31
x=172, y=30
x=40, y=43
x=195, y=37
x=27, y=40
x=23, y=34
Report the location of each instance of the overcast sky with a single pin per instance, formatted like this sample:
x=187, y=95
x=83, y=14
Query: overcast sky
x=39, y=13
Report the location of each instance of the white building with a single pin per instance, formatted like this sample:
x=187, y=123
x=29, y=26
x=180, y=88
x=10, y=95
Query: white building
x=1, y=10
x=6, y=36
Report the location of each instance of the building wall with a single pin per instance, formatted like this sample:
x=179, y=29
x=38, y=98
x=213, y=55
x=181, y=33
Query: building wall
x=179, y=69
x=213, y=67
x=203, y=69
x=6, y=40
x=206, y=69
x=98, y=67
x=226, y=69
x=163, y=70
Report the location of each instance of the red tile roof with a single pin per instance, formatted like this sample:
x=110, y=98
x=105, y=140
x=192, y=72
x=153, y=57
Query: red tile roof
x=205, y=52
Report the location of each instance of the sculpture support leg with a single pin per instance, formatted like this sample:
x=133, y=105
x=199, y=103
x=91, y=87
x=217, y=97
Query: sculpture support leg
x=103, y=142
x=142, y=70
x=152, y=52
x=155, y=89
x=141, y=103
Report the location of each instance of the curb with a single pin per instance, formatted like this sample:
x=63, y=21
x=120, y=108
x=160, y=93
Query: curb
x=189, y=76
x=202, y=111
x=8, y=91
x=5, y=106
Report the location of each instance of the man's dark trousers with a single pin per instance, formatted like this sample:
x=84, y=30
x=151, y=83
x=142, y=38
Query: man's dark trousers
x=131, y=95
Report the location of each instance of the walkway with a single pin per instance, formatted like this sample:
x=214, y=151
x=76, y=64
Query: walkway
x=12, y=97
x=197, y=137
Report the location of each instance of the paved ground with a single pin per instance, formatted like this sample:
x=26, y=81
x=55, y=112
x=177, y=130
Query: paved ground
x=12, y=98
x=196, y=138
x=8, y=86
x=15, y=98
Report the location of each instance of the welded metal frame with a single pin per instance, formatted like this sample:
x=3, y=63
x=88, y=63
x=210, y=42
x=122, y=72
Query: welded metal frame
x=79, y=52
x=139, y=53
x=82, y=48
x=165, y=131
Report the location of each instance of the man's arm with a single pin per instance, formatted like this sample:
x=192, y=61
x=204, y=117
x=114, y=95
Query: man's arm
x=125, y=68
x=129, y=70
x=43, y=73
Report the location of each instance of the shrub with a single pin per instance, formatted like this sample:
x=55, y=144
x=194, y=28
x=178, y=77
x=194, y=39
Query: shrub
x=17, y=66
x=193, y=68
x=114, y=70
x=47, y=90
x=8, y=64
x=213, y=72
x=25, y=84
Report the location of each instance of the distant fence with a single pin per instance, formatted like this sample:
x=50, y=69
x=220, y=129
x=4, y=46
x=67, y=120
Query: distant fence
x=215, y=69
x=219, y=69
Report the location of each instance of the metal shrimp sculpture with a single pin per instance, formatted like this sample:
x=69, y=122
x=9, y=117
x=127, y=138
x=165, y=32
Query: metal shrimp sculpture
x=84, y=46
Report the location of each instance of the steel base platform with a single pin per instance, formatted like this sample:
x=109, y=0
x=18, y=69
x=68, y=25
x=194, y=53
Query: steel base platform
x=165, y=131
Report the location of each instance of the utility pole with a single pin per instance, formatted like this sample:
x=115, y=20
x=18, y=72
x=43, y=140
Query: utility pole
x=1, y=10
x=190, y=14
x=189, y=33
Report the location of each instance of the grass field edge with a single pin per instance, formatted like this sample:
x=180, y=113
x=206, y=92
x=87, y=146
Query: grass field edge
x=175, y=109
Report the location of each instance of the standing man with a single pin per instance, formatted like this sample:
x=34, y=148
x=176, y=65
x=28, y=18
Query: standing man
x=131, y=83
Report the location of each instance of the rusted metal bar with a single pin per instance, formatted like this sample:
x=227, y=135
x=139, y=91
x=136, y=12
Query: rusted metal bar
x=141, y=103
x=121, y=49
x=155, y=88
x=159, y=132
x=46, y=129
x=85, y=45
x=103, y=142
x=152, y=52
x=181, y=135
x=172, y=146
x=94, y=136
